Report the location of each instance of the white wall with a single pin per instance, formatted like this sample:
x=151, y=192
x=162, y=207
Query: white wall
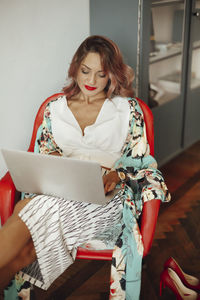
x=38, y=39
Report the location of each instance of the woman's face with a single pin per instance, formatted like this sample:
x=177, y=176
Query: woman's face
x=91, y=78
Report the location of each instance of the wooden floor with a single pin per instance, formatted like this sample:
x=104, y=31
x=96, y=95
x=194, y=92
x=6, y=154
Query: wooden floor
x=177, y=234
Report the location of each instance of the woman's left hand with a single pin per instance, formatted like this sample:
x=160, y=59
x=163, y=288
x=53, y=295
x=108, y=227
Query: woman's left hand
x=110, y=181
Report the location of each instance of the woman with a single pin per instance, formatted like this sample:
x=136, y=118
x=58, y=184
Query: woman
x=96, y=119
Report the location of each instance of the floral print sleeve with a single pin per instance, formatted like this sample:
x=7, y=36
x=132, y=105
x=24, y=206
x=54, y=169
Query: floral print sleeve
x=45, y=143
x=141, y=182
x=138, y=166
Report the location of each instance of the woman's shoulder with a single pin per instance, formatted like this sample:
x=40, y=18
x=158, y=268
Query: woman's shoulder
x=56, y=102
x=132, y=102
x=120, y=99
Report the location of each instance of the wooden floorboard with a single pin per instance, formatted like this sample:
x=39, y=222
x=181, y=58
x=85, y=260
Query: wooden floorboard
x=177, y=234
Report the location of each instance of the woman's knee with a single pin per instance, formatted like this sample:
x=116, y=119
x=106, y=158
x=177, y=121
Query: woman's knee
x=26, y=256
x=20, y=205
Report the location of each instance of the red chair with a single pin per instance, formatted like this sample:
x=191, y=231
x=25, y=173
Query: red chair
x=8, y=193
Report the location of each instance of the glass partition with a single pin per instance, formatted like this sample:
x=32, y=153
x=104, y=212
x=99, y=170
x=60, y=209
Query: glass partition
x=165, y=61
x=195, y=68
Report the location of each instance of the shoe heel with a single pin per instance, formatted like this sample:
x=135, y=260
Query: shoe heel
x=160, y=288
x=170, y=279
x=189, y=281
x=162, y=285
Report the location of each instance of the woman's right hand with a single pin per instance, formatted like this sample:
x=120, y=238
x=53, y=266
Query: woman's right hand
x=110, y=181
x=55, y=153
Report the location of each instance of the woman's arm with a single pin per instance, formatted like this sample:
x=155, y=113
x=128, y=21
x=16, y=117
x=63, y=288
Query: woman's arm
x=145, y=187
x=137, y=165
x=45, y=142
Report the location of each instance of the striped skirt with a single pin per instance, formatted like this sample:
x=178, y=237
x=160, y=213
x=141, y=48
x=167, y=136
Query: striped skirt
x=58, y=226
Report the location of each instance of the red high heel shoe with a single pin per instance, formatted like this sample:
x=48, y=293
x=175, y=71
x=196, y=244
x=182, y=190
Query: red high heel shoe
x=170, y=279
x=190, y=281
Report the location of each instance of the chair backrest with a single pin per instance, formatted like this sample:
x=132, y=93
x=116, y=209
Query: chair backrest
x=148, y=118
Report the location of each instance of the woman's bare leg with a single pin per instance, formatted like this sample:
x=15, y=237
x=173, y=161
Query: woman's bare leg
x=27, y=255
x=14, y=236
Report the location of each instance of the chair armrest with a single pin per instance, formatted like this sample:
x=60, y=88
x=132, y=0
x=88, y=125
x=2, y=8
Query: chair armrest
x=148, y=223
x=7, y=197
x=91, y=254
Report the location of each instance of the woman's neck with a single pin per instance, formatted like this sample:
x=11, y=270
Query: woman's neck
x=90, y=99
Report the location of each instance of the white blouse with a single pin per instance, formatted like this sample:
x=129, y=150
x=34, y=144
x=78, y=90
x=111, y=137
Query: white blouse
x=102, y=141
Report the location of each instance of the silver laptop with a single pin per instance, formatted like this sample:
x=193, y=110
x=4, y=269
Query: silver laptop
x=63, y=177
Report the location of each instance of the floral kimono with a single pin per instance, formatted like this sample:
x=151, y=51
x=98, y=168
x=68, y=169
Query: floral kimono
x=143, y=183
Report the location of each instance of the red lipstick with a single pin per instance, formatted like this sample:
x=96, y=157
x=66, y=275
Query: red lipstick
x=90, y=88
